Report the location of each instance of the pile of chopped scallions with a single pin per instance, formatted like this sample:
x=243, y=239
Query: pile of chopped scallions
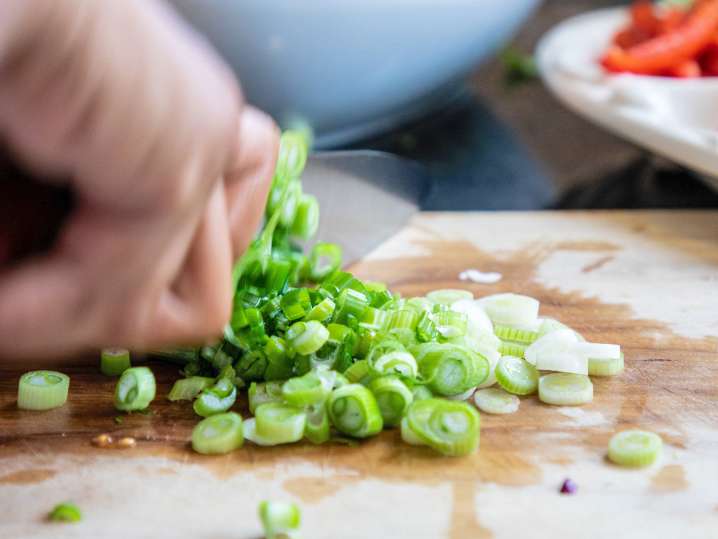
x=324, y=355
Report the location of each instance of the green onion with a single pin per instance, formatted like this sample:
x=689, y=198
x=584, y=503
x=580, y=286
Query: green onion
x=450, y=324
x=296, y=303
x=65, y=512
x=515, y=334
x=135, y=390
x=403, y=319
x=187, y=389
x=218, y=434
x=408, y=435
x=421, y=392
x=496, y=401
x=565, y=389
x=351, y=303
x=317, y=429
x=450, y=369
x=393, y=398
x=293, y=150
x=359, y=373
x=280, y=520
x=511, y=309
x=292, y=196
x=324, y=260
x=353, y=410
x=449, y=427
x=306, y=218
x=374, y=319
x=278, y=423
x=42, y=390
x=605, y=366
x=516, y=375
x=309, y=389
x=634, y=448
x=396, y=362
x=307, y=337
x=448, y=296
x=322, y=311
x=114, y=361
x=507, y=348
x=261, y=393
x=216, y=399
x=249, y=431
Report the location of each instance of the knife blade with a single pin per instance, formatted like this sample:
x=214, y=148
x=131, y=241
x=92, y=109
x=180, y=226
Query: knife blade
x=365, y=196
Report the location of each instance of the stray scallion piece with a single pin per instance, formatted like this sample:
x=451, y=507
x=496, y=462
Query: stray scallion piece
x=519, y=68
x=516, y=375
x=218, y=434
x=634, y=448
x=280, y=520
x=42, y=390
x=114, y=361
x=565, y=389
x=189, y=388
x=135, y=389
x=280, y=423
x=353, y=410
x=449, y=427
x=65, y=512
x=494, y=400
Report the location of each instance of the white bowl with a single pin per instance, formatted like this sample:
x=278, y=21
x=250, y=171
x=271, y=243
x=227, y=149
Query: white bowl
x=675, y=118
x=353, y=68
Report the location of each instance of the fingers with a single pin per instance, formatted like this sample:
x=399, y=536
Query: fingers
x=250, y=175
x=40, y=309
x=199, y=302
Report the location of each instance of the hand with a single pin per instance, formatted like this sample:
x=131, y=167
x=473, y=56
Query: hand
x=123, y=103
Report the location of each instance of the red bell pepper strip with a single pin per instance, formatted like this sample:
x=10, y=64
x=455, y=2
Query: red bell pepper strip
x=661, y=53
x=685, y=70
x=644, y=18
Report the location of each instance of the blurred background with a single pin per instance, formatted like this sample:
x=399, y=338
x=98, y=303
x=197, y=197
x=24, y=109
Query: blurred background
x=491, y=137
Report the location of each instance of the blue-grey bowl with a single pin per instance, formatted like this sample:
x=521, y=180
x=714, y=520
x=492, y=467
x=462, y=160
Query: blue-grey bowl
x=353, y=68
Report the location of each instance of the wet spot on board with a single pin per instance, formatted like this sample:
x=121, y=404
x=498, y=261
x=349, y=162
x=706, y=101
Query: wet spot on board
x=27, y=477
x=593, y=266
x=670, y=478
x=315, y=489
x=464, y=520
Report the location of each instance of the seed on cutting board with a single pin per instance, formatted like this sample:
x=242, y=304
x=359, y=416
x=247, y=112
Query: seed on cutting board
x=103, y=440
x=127, y=442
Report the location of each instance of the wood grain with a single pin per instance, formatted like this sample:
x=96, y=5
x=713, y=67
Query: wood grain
x=652, y=287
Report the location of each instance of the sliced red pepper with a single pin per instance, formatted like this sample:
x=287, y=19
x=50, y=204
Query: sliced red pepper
x=671, y=20
x=709, y=60
x=630, y=37
x=685, y=70
x=644, y=18
x=661, y=53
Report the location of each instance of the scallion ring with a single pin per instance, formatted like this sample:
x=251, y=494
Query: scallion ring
x=42, y=390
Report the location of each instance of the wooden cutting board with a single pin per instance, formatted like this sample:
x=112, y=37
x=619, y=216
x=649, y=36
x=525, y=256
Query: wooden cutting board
x=646, y=280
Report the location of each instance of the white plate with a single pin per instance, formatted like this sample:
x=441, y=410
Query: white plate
x=676, y=118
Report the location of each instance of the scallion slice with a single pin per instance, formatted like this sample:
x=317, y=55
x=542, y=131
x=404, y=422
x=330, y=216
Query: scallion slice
x=511, y=309
x=353, y=410
x=494, y=400
x=557, y=342
x=262, y=393
x=449, y=427
x=280, y=520
x=308, y=389
x=478, y=322
x=307, y=337
x=324, y=260
x=634, y=448
x=65, y=512
x=408, y=435
x=565, y=389
x=447, y=296
x=516, y=334
x=218, y=434
x=306, y=218
x=450, y=369
x=322, y=311
x=605, y=366
x=42, y=390
x=280, y=423
x=135, y=389
x=393, y=398
x=516, y=375
x=189, y=388
x=114, y=361
x=317, y=428
x=216, y=399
